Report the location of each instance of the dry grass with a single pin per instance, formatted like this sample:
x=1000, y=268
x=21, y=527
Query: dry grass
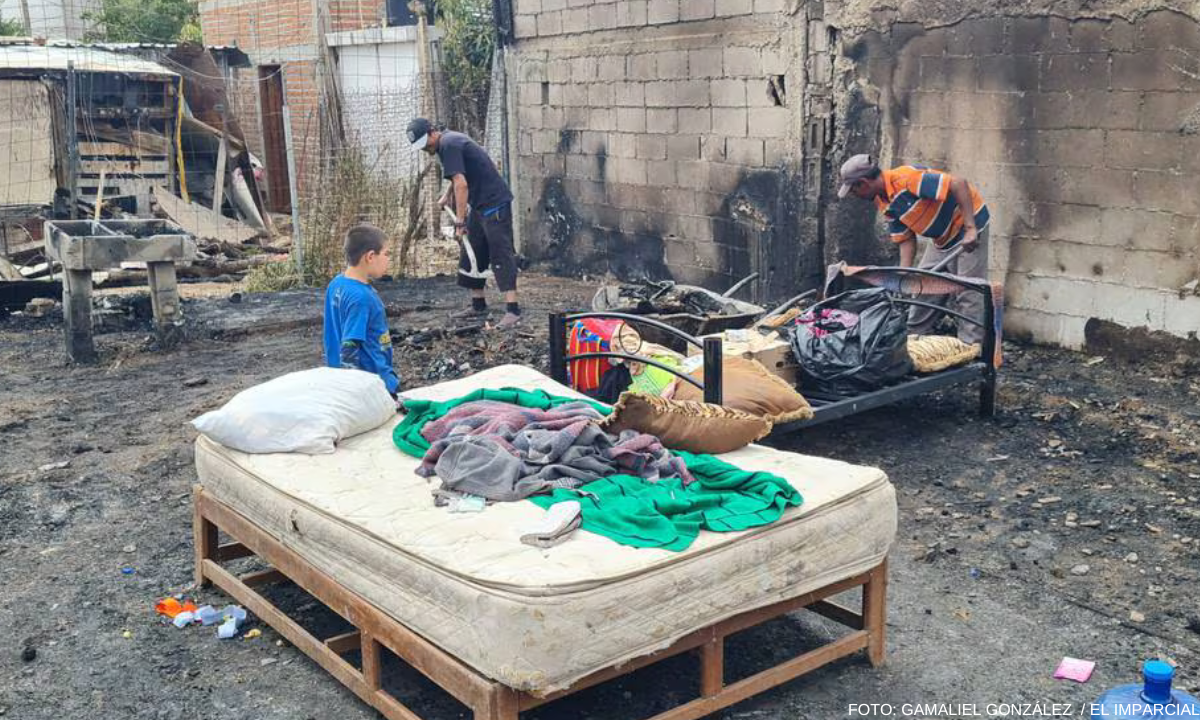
x=350, y=191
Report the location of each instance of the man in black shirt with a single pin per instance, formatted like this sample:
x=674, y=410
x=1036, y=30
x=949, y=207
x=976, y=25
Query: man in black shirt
x=482, y=205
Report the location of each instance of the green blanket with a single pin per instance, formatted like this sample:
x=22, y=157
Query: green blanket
x=628, y=509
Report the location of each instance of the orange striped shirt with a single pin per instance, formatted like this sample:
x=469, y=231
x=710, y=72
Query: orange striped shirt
x=919, y=202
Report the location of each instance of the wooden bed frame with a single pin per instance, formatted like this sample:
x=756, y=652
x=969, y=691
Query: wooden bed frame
x=488, y=699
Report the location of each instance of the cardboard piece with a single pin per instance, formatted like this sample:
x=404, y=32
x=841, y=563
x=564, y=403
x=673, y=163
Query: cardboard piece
x=771, y=350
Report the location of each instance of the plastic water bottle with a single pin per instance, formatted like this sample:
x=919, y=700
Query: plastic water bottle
x=1152, y=699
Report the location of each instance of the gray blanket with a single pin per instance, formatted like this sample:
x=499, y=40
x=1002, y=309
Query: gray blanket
x=506, y=452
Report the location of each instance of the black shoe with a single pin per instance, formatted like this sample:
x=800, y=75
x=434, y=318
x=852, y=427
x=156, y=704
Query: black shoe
x=470, y=314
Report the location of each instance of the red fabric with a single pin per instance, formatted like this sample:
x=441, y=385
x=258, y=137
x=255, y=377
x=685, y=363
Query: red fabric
x=590, y=335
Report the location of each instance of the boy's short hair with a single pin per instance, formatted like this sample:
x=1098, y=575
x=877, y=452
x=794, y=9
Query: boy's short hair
x=362, y=239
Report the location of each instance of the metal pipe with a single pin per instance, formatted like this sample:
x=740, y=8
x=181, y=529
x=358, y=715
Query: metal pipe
x=946, y=260
x=783, y=307
x=558, y=348
x=638, y=359
x=739, y=285
x=939, y=308
x=713, y=371
x=637, y=319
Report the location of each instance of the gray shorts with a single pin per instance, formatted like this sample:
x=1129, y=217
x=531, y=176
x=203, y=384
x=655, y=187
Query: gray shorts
x=491, y=241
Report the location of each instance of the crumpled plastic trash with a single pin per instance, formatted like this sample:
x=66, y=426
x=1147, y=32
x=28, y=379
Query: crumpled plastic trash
x=467, y=504
x=184, y=619
x=207, y=615
x=234, y=616
x=172, y=607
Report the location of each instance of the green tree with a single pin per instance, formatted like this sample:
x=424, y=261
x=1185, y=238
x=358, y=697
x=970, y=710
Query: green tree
x=468, y=40
x=11, y=28
x=150, y=21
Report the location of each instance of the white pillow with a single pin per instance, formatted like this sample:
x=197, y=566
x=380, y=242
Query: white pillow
x=304, y=412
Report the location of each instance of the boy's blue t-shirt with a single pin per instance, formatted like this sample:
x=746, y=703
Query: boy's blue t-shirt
x=353, y=311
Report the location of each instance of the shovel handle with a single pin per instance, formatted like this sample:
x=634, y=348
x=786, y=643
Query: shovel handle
x=946, y=260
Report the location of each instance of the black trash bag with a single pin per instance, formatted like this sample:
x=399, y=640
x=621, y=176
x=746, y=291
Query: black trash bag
x=852, y=343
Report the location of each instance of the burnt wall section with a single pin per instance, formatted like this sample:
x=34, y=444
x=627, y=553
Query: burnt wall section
x=658, y=140
x=1082, y=135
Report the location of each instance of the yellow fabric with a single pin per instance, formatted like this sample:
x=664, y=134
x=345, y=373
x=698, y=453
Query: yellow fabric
x=932, y=353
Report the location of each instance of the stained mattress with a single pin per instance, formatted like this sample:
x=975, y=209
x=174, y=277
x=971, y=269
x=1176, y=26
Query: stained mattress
x=533, y=619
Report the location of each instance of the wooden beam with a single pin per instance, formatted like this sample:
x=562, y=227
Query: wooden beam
x=767, y=679
x=103, y=253
x=875, y=613
x=77, y=315
x=712, y=666
x=204, y=537
x=232, y=551
x=838, y=614
x=263, y=577
x=372, y=661
x=503, y=704
x=203, y=222
x=345, y=642
x=164, y=300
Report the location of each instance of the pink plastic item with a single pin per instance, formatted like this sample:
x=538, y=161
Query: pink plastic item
x=1071, y=669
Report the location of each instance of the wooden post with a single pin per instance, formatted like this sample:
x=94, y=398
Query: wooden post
x=875, y=613
x=204, y=536
x=77, y=315
x=503, y=703
x=72, y=139
x=371, y=661
x=164, y=300
x=293, y=185
x=712, y=666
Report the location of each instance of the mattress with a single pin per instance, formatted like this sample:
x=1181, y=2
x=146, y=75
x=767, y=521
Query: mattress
x=540, y=619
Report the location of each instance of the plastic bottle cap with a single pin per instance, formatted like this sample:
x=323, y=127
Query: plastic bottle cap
x=1157, y=671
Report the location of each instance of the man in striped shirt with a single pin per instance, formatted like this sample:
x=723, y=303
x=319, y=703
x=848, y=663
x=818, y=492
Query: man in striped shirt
x=929, y=203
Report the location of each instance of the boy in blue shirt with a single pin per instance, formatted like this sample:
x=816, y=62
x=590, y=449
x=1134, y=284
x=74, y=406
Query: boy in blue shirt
x=356, y=329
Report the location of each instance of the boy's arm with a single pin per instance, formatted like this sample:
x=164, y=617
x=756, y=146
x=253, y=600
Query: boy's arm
x=354, y=334
x=353, y=356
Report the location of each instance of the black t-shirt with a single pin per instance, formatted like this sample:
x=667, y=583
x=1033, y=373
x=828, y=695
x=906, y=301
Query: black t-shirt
x=460, y=155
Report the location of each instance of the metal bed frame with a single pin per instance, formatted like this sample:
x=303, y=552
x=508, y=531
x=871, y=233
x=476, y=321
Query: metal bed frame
x=826, y=407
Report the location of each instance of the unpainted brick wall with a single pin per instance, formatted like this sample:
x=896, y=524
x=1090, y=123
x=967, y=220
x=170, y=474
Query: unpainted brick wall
x=648, y=143
x=1082, y=136
x=281, y=33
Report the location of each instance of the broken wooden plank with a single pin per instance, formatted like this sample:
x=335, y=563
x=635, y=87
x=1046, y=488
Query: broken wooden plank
x=134, y=140
x=202, y=222
x=34, y=271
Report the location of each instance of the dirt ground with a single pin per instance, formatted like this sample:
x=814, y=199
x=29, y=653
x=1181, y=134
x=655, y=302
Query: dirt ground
x=1070, y=525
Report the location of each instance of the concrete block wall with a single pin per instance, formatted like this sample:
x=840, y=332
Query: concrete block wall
x=1082, y=136
x=649, y=142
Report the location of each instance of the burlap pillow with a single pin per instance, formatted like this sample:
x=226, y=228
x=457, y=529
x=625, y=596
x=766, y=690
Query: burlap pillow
x=692, y=426
x=748, y=386
x=932, y=353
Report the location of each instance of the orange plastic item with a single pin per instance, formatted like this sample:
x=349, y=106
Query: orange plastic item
x=171, y=607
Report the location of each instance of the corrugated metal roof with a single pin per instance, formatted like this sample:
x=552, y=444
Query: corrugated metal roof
x=86, y=59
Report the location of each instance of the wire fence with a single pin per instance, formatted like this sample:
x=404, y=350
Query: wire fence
x=266, y=140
